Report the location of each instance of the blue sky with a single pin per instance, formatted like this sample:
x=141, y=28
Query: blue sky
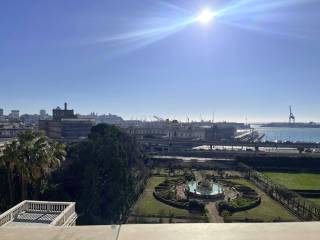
x=139, y=58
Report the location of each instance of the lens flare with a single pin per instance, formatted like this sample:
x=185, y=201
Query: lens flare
x=206, y=16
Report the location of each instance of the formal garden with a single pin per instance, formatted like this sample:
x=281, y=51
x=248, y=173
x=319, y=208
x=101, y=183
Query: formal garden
x=149, y=210
x=188, y=195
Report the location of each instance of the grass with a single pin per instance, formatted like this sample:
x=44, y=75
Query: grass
x=147, y=205
x=302, y=181
x=268, y=210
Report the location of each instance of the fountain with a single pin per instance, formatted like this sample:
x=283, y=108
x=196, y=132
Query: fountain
x=206, y=188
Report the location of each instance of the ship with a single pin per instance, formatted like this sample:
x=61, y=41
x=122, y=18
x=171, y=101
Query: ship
x=291, y=125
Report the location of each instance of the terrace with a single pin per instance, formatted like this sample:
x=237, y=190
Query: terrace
x=39, y=213
x=204, y=231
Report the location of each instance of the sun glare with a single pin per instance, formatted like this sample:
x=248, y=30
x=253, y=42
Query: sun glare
x=206, y=16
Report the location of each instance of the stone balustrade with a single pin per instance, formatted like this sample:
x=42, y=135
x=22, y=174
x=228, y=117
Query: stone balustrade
x=65, y=216
x=64, y=212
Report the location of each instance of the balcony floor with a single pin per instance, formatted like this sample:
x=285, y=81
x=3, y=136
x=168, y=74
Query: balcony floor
x=33, y=218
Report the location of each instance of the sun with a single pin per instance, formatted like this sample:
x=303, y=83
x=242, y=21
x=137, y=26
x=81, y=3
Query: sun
x=206, y=16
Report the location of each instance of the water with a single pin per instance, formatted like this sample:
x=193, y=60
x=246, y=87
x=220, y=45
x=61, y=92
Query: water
x=216, y=189
x=289, y=134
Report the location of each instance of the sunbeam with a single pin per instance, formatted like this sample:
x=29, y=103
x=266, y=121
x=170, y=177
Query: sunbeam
x=243, y=14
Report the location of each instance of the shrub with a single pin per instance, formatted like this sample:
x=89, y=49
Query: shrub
x=225, y=213
x=239, y=204
x=195, y=205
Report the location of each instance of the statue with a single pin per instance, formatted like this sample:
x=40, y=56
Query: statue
x=205, y=185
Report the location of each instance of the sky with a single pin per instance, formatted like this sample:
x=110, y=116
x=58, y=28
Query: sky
x=139, y=58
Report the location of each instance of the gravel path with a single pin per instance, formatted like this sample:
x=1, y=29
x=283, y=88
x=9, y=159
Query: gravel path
x=213, y=213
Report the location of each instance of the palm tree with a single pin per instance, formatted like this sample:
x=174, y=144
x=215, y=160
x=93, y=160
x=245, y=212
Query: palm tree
x=46, y=156
x=26, y=143
x=9, y=161
x=37, y=158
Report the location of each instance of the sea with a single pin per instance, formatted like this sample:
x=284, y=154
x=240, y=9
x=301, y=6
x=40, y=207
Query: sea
x=288, y=134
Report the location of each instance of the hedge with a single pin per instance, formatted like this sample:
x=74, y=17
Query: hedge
x=171, y=202
x=229, y=207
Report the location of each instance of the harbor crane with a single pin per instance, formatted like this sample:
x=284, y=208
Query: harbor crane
x=292, y=118
x=159, y=119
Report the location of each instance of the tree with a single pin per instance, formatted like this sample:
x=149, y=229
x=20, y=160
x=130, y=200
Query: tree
x=9, y=161
x=35, y=158
x=45, y=157
x=102, y=175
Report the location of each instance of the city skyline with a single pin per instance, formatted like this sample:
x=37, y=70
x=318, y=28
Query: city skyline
x=154, y=117
x=252, y=61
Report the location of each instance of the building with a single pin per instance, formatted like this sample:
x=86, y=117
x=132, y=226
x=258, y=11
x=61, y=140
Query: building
x=14, y=115
x=187, y=131
x=58, y=114
x=39, y=213
x=30, y=119
x=66, y=125
x=217, y=133
x=110, y=119
x=43, y=114
x=12, y=132
x=12, y=129
x=2, y=117
x=145, y=132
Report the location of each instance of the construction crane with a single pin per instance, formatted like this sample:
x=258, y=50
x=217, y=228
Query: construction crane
x=159, y=118
x=292, y=118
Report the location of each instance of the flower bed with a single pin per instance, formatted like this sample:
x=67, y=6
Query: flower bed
x=247, y=199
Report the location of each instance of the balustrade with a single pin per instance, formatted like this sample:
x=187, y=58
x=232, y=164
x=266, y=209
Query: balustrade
x=65, y=210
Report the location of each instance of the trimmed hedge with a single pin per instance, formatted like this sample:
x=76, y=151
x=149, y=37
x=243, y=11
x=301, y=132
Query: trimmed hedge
x=249, y=199
x=177, y=204
x=307, y=193
x=229, y=206
x=162, y=191
x=196, y=206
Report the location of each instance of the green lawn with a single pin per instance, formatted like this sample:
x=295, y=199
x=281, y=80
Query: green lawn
x=267, y=211
x=309, y=181
x=147, y=205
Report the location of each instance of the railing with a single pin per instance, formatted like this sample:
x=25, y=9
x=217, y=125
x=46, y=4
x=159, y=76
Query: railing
x=9, y=215
x=301, y=207
x=63, y=218
x=65, y=210
x=49, y=207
